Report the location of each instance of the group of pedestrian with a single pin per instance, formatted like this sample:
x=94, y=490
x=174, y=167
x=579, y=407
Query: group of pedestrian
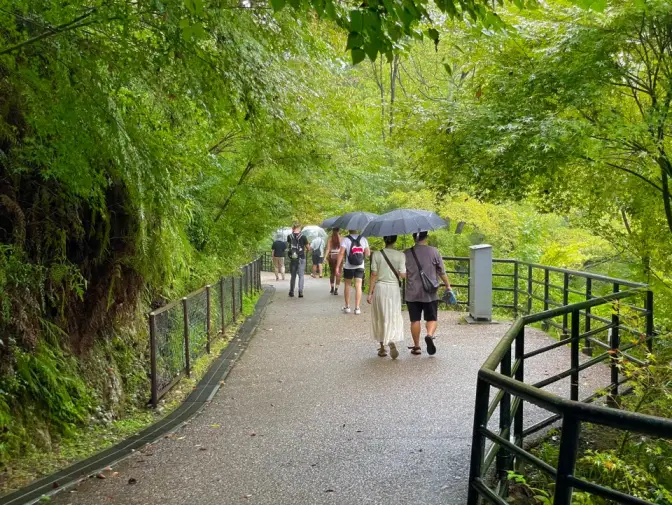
x=421, y=266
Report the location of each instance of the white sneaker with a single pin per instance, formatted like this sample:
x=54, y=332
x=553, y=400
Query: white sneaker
x=358, y=311
x=346, y=310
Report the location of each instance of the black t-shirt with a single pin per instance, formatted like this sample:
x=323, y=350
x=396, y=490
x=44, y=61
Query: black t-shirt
x=279, y=248
x=303, y=242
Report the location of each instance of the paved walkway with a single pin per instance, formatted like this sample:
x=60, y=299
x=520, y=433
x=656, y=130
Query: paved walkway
x=311, y=415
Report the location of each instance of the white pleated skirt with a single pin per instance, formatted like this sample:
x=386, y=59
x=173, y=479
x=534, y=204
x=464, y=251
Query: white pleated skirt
x=387, y=323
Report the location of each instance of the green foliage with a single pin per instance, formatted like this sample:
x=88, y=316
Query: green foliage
x=568, y=111
x=146, y=150
x=381, y=27
x=636, y=480
x=514, y=230
x=46, y=384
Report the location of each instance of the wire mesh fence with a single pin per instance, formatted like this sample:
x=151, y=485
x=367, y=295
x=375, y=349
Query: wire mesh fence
x=196, y=308
x=169, y=361
x=183, y=331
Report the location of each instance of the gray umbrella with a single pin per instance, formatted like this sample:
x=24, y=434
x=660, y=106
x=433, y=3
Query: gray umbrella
x=353, y=220
x=329, y=223
x=403, y=221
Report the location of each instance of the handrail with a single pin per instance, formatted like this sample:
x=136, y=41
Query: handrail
x=504, y=344
x=588, y=275
x=587, y=412
x=568, y=309
x=505, y=371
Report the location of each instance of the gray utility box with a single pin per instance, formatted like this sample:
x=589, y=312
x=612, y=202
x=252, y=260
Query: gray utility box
x=480, y=282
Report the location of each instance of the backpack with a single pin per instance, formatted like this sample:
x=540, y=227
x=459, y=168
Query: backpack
x=356, y=252
x=295, y=247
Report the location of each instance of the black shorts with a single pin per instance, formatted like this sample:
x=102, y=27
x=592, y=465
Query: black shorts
x=415, y=310
x=317, y=259
x=353, y=273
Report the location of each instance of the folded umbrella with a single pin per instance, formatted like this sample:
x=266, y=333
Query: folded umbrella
x=353, y=220
x=402, y=222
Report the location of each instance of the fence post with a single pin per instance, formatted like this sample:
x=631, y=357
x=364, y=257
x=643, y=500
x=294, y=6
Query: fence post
x=259, y=274
x=222, y=304
x=208, y=326
x=240, y=291
x=187, y=357
x=544, y=324
x=478, y=439
x=546, y=282
x=614, y=345
x=530, y=288
x=152, y=359
x=520, y=377
x=515, y=290
x=574, y=351
x=257, y=277
x=649, y=320
x=569, y=444
x=233, y=299
x=587, y=348
x=565, y=301
x=503, y=455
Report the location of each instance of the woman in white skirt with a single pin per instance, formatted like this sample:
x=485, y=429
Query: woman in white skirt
x=388, y=267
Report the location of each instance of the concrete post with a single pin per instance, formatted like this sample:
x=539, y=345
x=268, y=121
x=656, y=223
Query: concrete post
x=480, y=283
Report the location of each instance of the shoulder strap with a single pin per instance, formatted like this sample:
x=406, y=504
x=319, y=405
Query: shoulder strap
x=389, y=264
x=416, y=259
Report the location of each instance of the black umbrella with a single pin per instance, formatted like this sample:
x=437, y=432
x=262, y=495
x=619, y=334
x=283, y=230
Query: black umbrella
x=403, y=221
x=329, y=223
x=353, y=220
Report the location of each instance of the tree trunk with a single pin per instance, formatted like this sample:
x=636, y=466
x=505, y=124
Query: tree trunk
x=664, y=170
x=394, y=72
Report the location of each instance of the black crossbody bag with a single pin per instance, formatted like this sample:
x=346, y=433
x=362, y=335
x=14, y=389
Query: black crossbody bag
x=428, y=284
x=396, y=274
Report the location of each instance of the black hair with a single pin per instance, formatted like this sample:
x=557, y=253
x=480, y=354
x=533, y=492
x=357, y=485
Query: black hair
x=390, y=239
x=418, y=237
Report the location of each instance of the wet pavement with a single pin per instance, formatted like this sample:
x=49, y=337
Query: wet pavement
x=311, y=415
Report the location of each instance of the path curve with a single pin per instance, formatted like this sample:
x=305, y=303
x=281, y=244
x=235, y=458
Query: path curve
x=311, y=415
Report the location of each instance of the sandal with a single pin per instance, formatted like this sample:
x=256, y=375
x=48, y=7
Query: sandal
x=415, y=349
x=431, y=348
x=393, y=351
x=382, y=352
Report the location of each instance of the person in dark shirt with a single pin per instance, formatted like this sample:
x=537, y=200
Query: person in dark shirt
x=278, y=254
x=418, y=301
x=297, y=243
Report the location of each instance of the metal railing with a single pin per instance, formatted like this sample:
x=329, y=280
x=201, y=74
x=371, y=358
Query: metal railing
x=573, y=303
x=184, y=330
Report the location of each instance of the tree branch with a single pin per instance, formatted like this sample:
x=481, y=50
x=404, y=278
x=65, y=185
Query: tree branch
x=50, y=32
x=248, y=169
